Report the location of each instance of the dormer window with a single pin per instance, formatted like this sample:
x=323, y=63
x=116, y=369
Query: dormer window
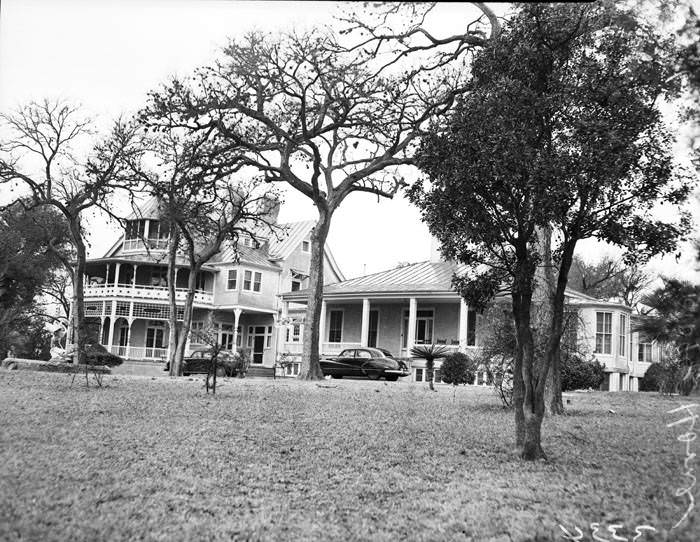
x=305, y=246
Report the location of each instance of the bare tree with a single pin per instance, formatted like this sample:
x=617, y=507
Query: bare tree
x=304, y=112
x=204, y=207
x=38, y=157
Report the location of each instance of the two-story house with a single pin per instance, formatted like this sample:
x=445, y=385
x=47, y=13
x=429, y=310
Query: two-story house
x=126, y=292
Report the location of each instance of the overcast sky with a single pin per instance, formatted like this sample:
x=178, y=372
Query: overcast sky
x=107, y=54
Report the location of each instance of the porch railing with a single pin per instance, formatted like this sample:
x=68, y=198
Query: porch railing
x=139, y=352
x=146, y=291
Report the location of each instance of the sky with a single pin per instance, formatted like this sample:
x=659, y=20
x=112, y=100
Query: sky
x=107, y=54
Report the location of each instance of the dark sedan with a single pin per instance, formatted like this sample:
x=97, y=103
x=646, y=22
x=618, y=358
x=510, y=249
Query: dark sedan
x=372, y=363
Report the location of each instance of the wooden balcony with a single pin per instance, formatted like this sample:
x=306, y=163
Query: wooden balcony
x=145, y=291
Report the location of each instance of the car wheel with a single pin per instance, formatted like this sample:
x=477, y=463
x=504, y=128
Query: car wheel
x=373, y=375
x=392, y=378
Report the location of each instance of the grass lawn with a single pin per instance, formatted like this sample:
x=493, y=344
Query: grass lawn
x=156, y=459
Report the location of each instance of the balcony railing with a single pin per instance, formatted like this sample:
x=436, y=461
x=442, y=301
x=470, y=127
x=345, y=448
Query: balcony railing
x=139, y=352
x=145, y=291
x=141, y=244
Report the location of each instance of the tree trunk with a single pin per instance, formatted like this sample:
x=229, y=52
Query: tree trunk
x=554, y=404
x=186, y=320
x=545, y=293
x=430, y=373
x=517, y=400
x=529, y=414
x=173, y=242
x=78, y=299
x=310, y=365
x=553, y=401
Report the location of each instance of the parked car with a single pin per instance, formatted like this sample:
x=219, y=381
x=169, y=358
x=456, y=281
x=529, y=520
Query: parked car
x=372, y=363
x=199, y=362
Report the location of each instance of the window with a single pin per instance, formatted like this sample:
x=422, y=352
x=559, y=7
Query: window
x=644, y=353
x=305, y=246
x=363, y=354
x=603, y=333
x=200, y=281
x=196, y=330
x=296, y=285
x=424, y=327
x=471, y=327
x=135, y=229
x=247, y=277
x=232, y=282
x=257, y=281
x=159, y=276
x=294, y=333
x=335, y=330
x=623, y=334
x=419, y=375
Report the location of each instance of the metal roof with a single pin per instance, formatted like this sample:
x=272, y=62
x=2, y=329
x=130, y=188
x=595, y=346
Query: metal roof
x=286, y=241
x=151, y=210
x=432, y=278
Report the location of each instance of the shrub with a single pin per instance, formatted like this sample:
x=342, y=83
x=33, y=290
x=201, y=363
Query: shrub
x=96, y=354
x=579, y=373
x=652, y=379
x=236, y=364
x=457, y=368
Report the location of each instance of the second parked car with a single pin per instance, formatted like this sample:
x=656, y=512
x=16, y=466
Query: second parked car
x=372, y=363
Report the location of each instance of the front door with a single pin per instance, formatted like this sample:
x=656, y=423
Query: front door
x=258, y=348
x=373, y=328
x=154, y=340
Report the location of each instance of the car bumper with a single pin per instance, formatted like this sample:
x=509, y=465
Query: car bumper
x=399, y=372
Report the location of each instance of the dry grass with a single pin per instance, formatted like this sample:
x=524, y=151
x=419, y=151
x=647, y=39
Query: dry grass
x=155, y=459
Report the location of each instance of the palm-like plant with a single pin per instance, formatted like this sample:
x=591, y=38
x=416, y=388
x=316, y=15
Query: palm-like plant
x=429, y=352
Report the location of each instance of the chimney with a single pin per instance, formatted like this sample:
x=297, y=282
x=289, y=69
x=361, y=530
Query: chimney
x=272, y=208
x=435, y=255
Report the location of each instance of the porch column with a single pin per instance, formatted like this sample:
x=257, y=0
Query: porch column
x=110, y=337
x=236, y=318
x=364, y=334
x=107, y=276
x=463, y=324
x=127, y=351
x=412, y=315
x=133, y=282
x=116, y=274
x=322, y=328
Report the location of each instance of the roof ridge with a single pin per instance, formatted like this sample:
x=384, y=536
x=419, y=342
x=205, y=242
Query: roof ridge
x=385, y=271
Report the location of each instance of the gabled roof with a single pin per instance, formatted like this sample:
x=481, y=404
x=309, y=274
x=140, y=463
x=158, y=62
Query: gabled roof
x=255, y=256
x=289, y=238
x=150, y=209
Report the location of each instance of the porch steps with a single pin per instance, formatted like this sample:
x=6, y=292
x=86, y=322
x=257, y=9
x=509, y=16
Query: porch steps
x=261, y=372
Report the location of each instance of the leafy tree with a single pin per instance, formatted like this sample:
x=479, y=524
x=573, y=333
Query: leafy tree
x=675, y=319
x=303, y=111
x=38, y=159
x=429, y=353
x=558, y=139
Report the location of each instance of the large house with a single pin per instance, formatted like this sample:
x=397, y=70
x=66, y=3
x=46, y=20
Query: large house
x=126, y=290
x=257, y=302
